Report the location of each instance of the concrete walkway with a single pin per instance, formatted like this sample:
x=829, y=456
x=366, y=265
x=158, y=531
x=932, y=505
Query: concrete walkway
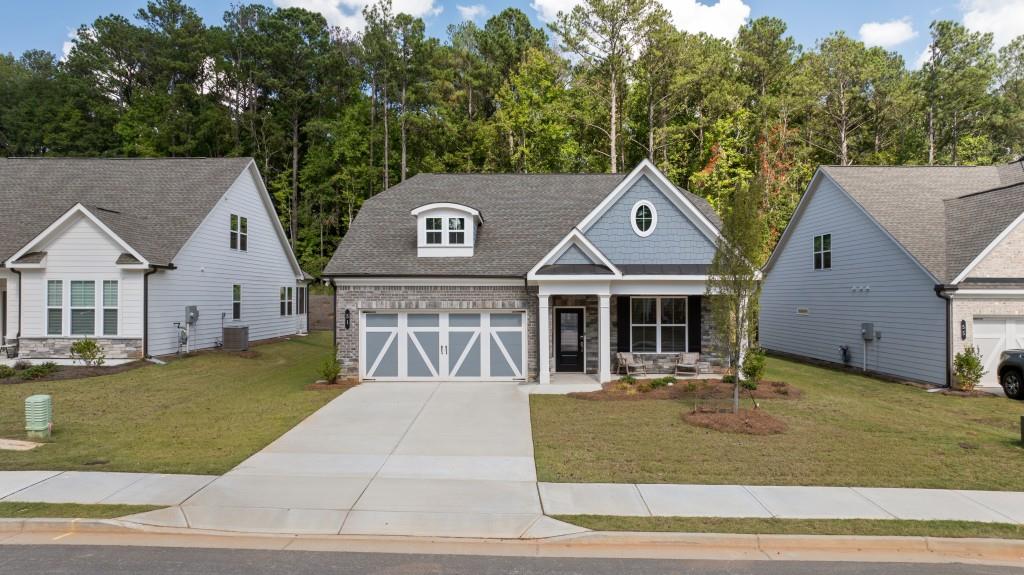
x=99, y=487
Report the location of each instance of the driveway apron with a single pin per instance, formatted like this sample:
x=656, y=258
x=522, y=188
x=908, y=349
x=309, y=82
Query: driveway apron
x=440, y=459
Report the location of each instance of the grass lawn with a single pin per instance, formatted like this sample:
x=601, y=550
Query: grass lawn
x=890, y=527
x=16, y=510
x=203, y=414
x=846, y=429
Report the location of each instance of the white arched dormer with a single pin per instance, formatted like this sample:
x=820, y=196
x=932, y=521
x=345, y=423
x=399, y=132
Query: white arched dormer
x=446, y=230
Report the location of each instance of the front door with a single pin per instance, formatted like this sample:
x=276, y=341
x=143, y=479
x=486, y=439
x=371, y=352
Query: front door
x=569, y=340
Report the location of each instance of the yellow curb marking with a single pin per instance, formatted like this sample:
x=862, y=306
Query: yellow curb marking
x=59, y=537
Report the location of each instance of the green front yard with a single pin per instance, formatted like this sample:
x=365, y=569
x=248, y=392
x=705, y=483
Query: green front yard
x=846, y=429
x=203, y=414
x=18, y=510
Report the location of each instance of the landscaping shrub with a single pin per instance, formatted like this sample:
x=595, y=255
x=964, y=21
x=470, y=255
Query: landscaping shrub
x=968, y=369
x=728, y=378
x=627, y=379
x=22, y=364
x=90, y=352
x=662, y=381
x=330, y=369
x=753, y=366
x=6, y=372
x=38, y=371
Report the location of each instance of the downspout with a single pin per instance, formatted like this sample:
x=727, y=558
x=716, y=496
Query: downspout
x=945, y=292
x=145, y=304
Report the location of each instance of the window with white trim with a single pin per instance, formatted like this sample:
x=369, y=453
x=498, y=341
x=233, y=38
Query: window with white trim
x=54, y=307
x=284, y=304
x=434, y=233
x=823, y=252
x=236, y=301
x=456, y=231
x=643, y=217
x=110, y=307
x=301, y=302
x=239, y=233
x=658, y=324
x=287, y=300
x=83, y=307
x=291, y=299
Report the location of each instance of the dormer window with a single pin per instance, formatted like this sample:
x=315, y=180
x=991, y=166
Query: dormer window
x=446, y=230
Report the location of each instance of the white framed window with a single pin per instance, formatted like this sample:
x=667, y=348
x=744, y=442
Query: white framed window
x=54, y=307
x=301, y=302
x=644, y=218
x=658, y=324
x=291, y=300
x=83, y=307
x=287, y=300
x=111, y=297
x=456, y=231
x=823, y=252
x=434, y=233
x=236, y=301
x=239, y=233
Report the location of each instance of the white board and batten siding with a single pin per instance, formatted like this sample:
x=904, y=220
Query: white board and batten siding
x=81, y=251
x=812, y=313
x=207, y=268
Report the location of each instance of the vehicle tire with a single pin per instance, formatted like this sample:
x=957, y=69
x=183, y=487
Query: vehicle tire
x=1013, y=384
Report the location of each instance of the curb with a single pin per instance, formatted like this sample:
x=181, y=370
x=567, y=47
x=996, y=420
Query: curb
x=590, y=544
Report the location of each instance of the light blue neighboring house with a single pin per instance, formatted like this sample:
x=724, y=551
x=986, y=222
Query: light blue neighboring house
x=523, y=276
x=896, y=269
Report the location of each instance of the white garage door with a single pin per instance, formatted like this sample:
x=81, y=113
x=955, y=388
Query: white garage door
x=992, y=335
x=430, y=346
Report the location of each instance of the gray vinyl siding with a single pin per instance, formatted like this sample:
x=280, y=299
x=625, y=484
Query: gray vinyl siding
x=573, y=255
x=675, y=240
x=901, y=301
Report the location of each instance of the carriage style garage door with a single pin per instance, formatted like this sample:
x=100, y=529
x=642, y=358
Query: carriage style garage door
x=992, y=335
x=488, y=345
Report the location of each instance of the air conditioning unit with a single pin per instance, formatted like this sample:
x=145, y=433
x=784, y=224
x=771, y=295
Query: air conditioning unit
x=236, y=338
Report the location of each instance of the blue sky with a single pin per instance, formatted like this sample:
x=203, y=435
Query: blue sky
x=899, y=25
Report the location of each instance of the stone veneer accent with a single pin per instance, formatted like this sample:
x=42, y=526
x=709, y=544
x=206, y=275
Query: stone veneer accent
x=665, y=362
x=590, y=327
x=442, y=298
x=60, y=348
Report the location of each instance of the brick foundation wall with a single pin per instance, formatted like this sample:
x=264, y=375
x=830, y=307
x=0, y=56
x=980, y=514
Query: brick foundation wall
x=60, y=348
x=441, y=298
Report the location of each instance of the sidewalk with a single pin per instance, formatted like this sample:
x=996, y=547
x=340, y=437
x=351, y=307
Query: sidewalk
x=661, y=500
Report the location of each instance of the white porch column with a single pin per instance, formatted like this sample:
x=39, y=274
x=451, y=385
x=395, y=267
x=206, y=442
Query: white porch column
x=604, y=338
x=543, y=340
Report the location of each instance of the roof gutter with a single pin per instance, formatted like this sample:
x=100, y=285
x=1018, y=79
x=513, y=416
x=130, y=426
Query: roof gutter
x=945, y=291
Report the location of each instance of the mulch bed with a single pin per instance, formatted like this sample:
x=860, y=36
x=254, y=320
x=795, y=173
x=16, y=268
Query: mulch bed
x=339, y=384
x=965, y=393
x=688, y=389
x=747, y=421
x=76, y=372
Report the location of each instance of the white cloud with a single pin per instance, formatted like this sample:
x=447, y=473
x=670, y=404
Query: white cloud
x=472, y=12
x=722, y=19
x=887, y=34
x=349, y=13
x=923, y=58
x=1003, y=18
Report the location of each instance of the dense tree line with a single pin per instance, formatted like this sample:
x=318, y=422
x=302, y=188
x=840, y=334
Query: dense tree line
x=334, y=117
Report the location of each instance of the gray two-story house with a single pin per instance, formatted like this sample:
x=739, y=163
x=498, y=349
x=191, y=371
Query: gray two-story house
x=896, y=269
x=522, y=276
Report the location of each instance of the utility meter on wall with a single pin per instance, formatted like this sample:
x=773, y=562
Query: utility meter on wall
x=191, y=314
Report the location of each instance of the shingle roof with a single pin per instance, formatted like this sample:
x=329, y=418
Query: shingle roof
x=152, y=204
x=526, y=215
x=937, y=213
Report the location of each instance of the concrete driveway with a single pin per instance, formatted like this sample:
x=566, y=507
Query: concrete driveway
x=439, y=459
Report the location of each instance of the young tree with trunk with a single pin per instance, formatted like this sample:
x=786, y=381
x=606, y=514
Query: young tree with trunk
x=734, y=278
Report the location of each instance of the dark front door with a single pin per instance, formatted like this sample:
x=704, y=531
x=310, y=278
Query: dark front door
x=569, y=340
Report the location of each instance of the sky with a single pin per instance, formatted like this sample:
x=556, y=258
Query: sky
x=900, y=25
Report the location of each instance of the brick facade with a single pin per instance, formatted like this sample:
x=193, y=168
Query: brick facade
x=441, y=298
x=60, y=348
x=965, y=308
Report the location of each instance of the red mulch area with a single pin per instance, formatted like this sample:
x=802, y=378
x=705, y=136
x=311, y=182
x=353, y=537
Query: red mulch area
x=748, y=421
x=697, y=389
x=76, y=372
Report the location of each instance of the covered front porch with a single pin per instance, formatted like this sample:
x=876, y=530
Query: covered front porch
x=584, y=327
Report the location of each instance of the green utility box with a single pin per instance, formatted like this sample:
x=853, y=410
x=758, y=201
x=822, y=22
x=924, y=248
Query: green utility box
x=39, y=416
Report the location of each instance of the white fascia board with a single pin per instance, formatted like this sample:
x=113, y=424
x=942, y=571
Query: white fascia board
x=56, y=227
x=647, y=168
x=988, y=293
x=988, y=249
x=448, y=206
x=577, y=237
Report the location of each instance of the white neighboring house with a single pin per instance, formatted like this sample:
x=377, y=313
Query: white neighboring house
x=116, y=249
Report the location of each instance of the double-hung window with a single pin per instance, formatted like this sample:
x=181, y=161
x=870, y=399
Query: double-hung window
x=658, y=324
x=301, y=302
x=239, y=233
x=110, y=307
x=434, y=232
x=236, y=301
x=291, y=300
x=823, y=252
x=54, y=307
x=456, y=231
x=83, y=307
x=287, y=300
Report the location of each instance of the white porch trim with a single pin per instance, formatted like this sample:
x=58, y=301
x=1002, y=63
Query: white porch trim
x=543, y=339
x=58, y=226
